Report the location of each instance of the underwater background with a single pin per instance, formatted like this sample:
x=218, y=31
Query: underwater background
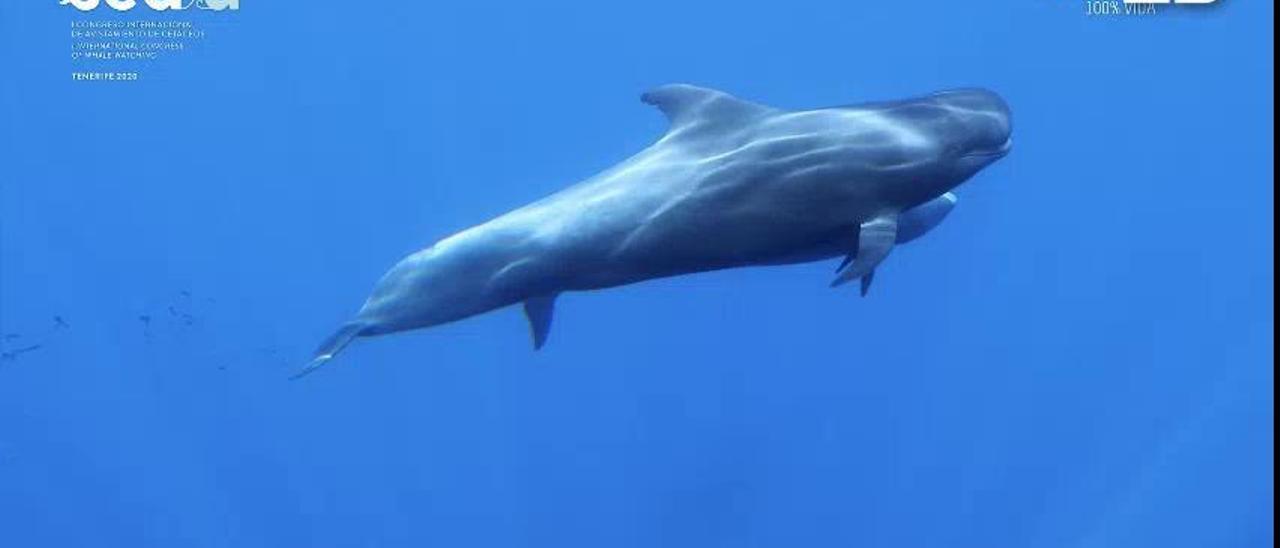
x=1080, y=356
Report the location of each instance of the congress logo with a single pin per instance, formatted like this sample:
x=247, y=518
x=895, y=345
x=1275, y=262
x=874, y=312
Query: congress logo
x=158, y=5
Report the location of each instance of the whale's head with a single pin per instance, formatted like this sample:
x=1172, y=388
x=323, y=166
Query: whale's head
x=972, y=127
x=923, y=146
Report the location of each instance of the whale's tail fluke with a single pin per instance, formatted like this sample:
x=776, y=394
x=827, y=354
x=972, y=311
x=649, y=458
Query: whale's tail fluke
x=331, y=347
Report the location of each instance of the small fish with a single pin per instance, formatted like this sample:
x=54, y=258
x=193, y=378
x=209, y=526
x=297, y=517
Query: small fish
x=145, y=319
x=60, y=323
x=12, y=336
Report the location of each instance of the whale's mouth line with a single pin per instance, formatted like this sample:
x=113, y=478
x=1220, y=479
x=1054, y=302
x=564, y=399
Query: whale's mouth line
x=1002, y=150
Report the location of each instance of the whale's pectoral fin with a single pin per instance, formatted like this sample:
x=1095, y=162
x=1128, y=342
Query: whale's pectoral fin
x=330, y=347
x=853, y=252
x=915, y=222
x=875, y=240
x=539, y=311
x=866, y=282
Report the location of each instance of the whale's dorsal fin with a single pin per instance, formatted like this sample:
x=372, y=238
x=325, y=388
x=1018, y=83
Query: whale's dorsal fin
x=686, y=105
x=539, y=310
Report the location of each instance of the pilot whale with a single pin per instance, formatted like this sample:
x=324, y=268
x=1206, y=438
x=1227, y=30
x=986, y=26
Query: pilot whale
x=732, y=183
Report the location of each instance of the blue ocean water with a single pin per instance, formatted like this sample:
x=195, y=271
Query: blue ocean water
x=1080, y=356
